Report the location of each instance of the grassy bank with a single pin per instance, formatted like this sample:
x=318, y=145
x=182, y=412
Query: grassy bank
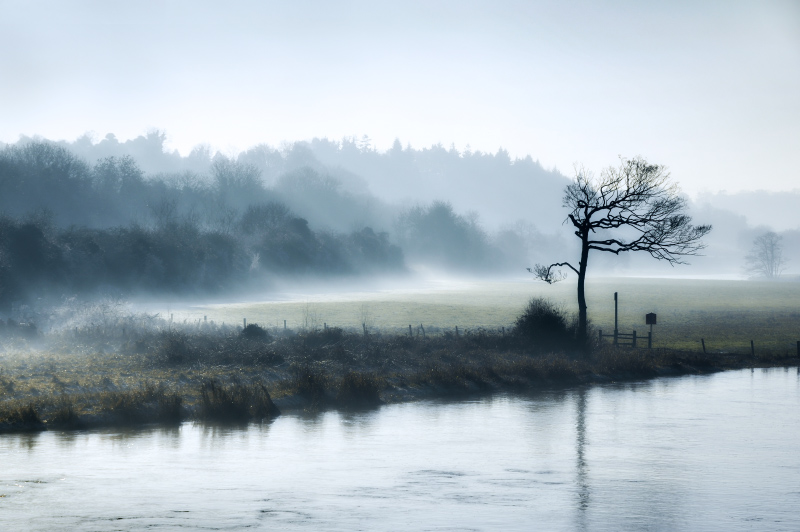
x=167, y=377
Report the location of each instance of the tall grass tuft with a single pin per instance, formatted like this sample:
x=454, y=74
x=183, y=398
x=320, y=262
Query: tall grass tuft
x=65, y=417
x=236, y=402
x=147, y=404
x=310, y=385
x=17, y=418
x=359, y=390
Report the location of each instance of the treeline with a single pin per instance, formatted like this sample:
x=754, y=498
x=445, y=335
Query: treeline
x=69, y=226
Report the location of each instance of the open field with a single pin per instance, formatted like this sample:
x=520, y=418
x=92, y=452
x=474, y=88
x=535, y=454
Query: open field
x=727, y=314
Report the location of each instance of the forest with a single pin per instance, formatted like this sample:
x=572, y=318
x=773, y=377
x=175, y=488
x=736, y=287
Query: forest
x=70, y=226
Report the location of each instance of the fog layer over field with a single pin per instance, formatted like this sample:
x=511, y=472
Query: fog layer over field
x=125, y=218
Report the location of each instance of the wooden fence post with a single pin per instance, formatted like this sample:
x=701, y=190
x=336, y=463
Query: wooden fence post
x=411, y=334
x=702, y=341
x=752, y=348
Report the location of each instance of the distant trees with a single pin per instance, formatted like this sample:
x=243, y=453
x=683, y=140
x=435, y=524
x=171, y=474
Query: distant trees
x=440, y=235
x=632, y=207
x=765, y=258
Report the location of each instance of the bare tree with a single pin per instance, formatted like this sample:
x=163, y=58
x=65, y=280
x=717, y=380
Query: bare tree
x=633, y=207
x=766, y=256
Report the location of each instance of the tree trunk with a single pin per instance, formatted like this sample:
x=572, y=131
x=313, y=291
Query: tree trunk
x=583, y=339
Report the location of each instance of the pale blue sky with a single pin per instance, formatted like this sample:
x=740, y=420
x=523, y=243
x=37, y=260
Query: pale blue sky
x=711, y=89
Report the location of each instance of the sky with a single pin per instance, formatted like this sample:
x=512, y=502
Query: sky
x=710, y=89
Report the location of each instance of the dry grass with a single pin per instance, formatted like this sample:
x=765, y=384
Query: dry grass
x=169, y=376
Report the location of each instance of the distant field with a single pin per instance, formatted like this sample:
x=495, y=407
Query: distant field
x=727, y=314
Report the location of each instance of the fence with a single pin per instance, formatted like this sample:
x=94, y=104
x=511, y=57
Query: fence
x=625, y=339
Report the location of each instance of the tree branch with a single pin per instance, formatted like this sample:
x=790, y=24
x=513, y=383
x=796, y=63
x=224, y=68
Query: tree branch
x=546, y=274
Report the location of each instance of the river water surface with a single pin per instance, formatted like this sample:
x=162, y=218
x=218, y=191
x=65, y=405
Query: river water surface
x=719, y=452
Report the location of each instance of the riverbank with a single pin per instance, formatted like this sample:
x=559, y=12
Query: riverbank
x=167, y=377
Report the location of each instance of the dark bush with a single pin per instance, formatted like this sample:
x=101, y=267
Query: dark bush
x=254, y=332
x=545, y=326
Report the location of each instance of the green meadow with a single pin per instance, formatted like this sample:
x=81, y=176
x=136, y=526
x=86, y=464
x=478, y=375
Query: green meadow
x=727, y=314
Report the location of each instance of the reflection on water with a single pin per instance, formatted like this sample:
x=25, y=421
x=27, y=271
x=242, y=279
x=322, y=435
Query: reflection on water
x=717, y=452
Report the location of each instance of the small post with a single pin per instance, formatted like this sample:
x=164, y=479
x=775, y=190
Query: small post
x=325, y=325
x=633, y=344
x=456, y=331
x=423, y=331
x=364, y=325
x=702, y=341
x=284, y=325
x=411, y=334
x=504, y=332
x=616, y=329
x=650, y=338
x=244, y=321
x=752, y=348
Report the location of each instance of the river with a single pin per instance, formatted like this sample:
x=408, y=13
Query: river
x=717, y=452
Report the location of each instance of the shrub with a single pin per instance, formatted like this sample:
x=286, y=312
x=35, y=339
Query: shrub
x=174, y=347
x=545, y=326
x=254, y=332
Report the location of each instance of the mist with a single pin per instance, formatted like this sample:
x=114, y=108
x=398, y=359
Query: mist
x=132, y=218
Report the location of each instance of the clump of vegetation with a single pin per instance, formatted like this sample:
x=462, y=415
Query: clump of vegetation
x=358, y=389
x=146, y=404
x=254, y=332
x=310, y=385
x=236, y=402
x=545, y=326
x=17, y=417
x=173, y=347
